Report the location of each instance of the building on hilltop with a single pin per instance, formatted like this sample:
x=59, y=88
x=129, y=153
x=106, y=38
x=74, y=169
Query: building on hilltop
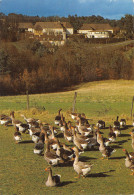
x=54, y=32
x=96, y=30
x=25, y=27
x=52, y=28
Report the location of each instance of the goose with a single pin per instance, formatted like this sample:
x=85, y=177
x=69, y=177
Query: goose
x=58, y=118
x=105, y=151
x=29, y=120
x=65, y=155
x=77, y=116
x=22, y=127
x=67, y=148
x=39, y=146
x=36, y=136
x=80, y=143
x=34, y=124
x=92, y=141
x=17, y=135
x=63, y=126
x=84, y=126
x=52, y=132
x=70, y=149
x=61, y=121
x=129, y=163
x=45, y=128
x=79, y=136
x=50, y=157
x=131, y=155
x=74, y=115
x=84, y=120
x=34, y=130
x=5, y=120
x=101, y=124
x=123, y=123
x=53, y=143
x=52, y=180
x=117, y=131
x=14, y=121
x=116, y=123
x=100, y=138
x=111, y=135
x=80, y=167
x=68, y=135
x=83, y=129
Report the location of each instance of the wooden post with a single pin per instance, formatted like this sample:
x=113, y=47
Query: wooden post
x=27, y=99
x=74, y=102
x=132, y=108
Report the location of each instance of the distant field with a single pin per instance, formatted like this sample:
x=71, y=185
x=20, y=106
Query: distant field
x=22, y=172
x=95, y=99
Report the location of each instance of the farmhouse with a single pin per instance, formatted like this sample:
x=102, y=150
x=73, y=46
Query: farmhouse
x=26, y=27
x=96, y=30
x=52, y=28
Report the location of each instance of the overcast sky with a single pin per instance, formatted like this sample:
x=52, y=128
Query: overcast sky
x=112, y=9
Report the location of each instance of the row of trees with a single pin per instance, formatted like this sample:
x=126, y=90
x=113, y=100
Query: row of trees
x=37, y=70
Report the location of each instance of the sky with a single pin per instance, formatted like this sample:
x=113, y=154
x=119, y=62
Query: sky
x=111, y=9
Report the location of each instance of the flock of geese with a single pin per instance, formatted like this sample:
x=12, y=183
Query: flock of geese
x=83, y=135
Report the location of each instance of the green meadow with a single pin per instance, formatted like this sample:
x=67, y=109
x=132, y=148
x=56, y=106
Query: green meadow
x=22, y=172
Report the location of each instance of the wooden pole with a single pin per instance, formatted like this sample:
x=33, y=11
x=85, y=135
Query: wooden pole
x=74, y=102
x=132, y=108
x=27, y=100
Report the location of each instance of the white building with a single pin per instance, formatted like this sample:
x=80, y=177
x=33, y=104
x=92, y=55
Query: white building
x=96, y=30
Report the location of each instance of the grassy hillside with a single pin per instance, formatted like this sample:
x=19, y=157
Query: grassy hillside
x=95, y=99
x=22, y=171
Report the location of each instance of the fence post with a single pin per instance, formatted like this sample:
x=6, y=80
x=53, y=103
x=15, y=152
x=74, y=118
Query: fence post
x=132, y=107
x=27, y=99
x=74, y=102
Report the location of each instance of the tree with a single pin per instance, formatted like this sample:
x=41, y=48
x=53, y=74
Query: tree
x=129, y=20
x=3, y=62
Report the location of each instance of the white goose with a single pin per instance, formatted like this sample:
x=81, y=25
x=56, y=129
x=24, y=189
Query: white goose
x=81, y=168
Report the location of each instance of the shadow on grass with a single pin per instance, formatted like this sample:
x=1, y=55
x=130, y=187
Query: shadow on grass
x=9, y=125
x=66, y=164
x=129, y=126
x=64, y=183
x=93, y=148
x=121, y=142
x=116, y=146
x=120, y=157
x=85, y=158
x=101, y=174
x=105, y=128
x=26, y=142
x=60, y=135
x=125, y=135
x=125, y=128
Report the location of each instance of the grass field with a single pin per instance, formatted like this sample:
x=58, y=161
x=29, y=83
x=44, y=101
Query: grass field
x=22, y=172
